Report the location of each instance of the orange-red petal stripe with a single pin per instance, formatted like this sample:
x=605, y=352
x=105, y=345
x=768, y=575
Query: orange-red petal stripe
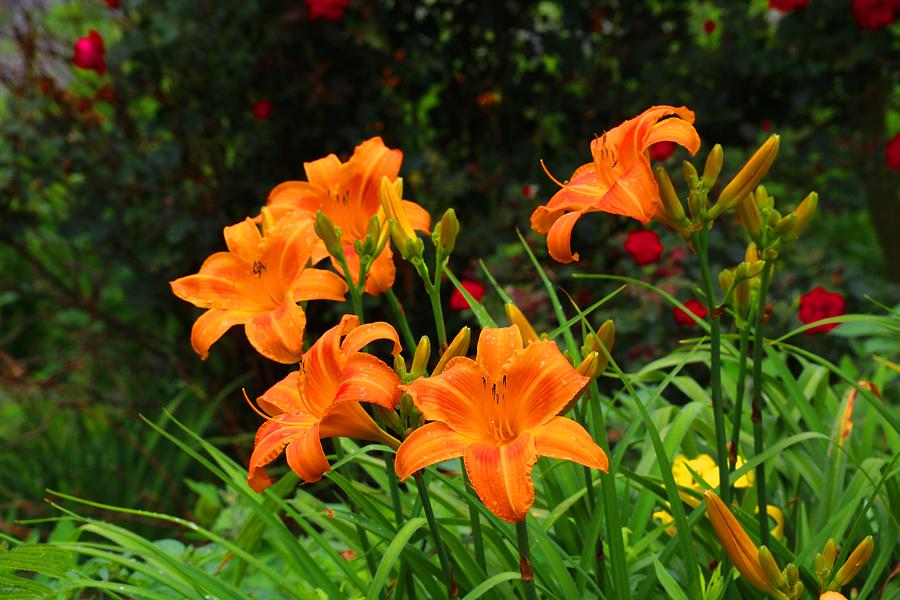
x=567, y=440
x=502, y=476
x=426, y=446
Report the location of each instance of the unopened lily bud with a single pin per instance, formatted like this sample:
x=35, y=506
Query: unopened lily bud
x=752, y=253
x=748, y=211
x=420, y=358
x=411, y=248
x=671, y=205
x=771, y=254
x=795, y=592
x=776, y=578
x=446, y=231
x=825, y=561
x=606, y=337
x=373, y=229
x=400, y=367
x=785, y=224
x=856, y=561
x=742, y=297
x=696, y=203
x=713, y=166
x=458, y=347
x=763, y=199
x=268, y=220
x=329, y=234
x=391, y=203
x=771, y=217
x=726, y=279
x=750, y=174
x=589, y=367
x=791, y=574
x=516, y=317
x=383, y=234
x=689, y=172
x=804, y=213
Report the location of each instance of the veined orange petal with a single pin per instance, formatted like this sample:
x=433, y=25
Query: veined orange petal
x=428, y=445
x=306, y=457
x=674, y=130
x=271, y=438
x=502, y=476
x=737, y=544
x=219, y=284
x=324, y=172
x=382, y=272
x=540, y=382
x=283, y=397
x=634, y=194
x=455, y=397
x=418, y=216
x=350, y=420
x=363, y=335
x=291, y=196
x=244, y=239
x=212, y=325
x=496, y=345
x=318, y=284
x=361, y=175
x=289, y=247
x=323, y=363
x=559, y=238
x=368, y=379
x=565, y=439
x=278, y=334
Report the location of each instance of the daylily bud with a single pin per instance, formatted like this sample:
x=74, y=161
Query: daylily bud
x=856, y=561
x=373, y=230
x=671, y=205
x=804, y=213
x=726, y=279
x=771, y=217
x=420, y=358
x=589, y=367
x=695, y=203
x=400, y=366
x=785, y=224
x=713, y=166
x=383, y=234
x=742, y=297
x=752, y=253
x=268, y=220
x=776, y=578
x=605, y=336
x=737, y=544
x=825, y=561
x=689, y=172
x=329, y=234
x=391, y=198
x=411, y=248
x=748, y=211
x=446, y=231
x=750, y=175
x=458, y=347
x=791, y=574
x=516, y=317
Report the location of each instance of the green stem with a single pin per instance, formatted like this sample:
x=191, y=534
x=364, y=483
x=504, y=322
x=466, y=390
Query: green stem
x=525, y=560
x=474, y=521
x=434, y=294
x=400, y=317
x=756, y=405
x=435, y=532
x=739, y=397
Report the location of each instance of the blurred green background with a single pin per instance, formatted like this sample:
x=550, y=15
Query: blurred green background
x=112, y=185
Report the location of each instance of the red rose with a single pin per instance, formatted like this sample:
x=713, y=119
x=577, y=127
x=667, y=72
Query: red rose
x=819, y=304
x=458, y=302
x=529, y=190
x=327, y=10
x=114, y=4
x=892, y=153
x=874, y=14
x=644, y=246
x=693, y=305
x=709, y=27
x=766, y=125
x=787, y=6
x=262, y=109
x=89, y=53
x=662, y=150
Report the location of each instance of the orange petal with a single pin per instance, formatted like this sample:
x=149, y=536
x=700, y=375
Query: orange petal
x=418, y=216
x=674, y=130
x=567, y=440
x=243, y=239
x=455, y=397
x=361, y=175
x=496, y=345
x=323, y=364
x=381, y=274
x=324, y=172
x=282, y=397
x=318, y=284
x=350, y=420
x=540, y=382
x=368, y=379
x=219, y=284
x=502, y=476
x=634, y=194
x=559, y=238
x=271, y=438
x=364, y=335
x=278, y=334
x=428, y=445
x=289, y=247
x=212, y=325
x=306, y=457
x=296, y=196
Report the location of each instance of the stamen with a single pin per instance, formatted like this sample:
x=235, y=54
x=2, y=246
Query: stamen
x=550, y=175
x=256, y=410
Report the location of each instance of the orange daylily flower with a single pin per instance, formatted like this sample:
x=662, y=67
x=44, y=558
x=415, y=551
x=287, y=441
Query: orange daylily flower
x=257, y=283
x=349, y=194
x=322, y=400
x=499, y=413
x=619, y=180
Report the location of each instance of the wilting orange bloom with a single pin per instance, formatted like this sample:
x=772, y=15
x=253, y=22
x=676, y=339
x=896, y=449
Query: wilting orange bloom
x=322, y=400
x=499, y=413
x=257, y=284
x=349, y=194
x=619, y=180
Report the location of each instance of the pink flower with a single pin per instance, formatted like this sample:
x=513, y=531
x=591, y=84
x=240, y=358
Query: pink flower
x=662, y=150
x=262, y=108
x=819, y=304
x=709, y=26
x=644, y=246
x=327, y=10
x=683, y=318
x=787, y=6
x=89, y=53
x=458, y=302
x=874, y=14
x=892, y=153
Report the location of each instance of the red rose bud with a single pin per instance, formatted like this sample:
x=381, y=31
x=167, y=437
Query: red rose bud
x=114, y=4
x=89, y=52
x=662, y=150
x=787, y=6
x=819, y=304
x=458, y=302
x=709, y=27
x=766, y=125
x=892, y=153
x=327, y=10
x=644, y=246
x=262, y=109
x=693, y=305
x=874, y=14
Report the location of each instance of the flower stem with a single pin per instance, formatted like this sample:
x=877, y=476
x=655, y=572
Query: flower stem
x=756, y=405
x=435, y=532
x=525, y=560
x=400, y=317
x=739, y=397
x=434, y=294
